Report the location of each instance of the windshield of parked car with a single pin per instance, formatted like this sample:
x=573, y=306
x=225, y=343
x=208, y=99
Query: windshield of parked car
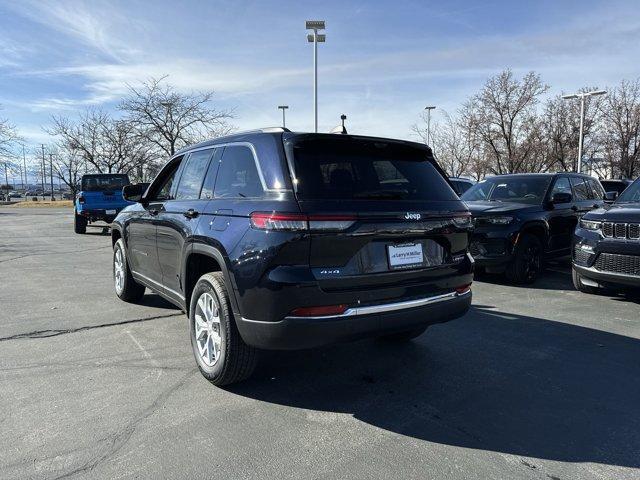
x=631, y=193
x=613, y=186
x=518, y=189
x=357, y=169
x=99, y=183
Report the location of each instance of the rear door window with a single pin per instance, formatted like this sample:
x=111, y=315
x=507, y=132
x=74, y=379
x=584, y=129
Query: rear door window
x=353, y=169
x=238, y=175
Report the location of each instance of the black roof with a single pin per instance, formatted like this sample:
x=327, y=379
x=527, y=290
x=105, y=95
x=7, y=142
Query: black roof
x=545, y=174
x=251, y=134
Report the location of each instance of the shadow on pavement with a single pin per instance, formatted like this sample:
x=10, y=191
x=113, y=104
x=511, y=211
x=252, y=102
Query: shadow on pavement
x=156, y=301
x=510, y=383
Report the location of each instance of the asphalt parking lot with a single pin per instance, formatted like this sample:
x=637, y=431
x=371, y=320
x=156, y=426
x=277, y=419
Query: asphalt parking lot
x=535, y=383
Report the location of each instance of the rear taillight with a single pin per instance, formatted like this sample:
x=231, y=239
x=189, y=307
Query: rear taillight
x=463, y=288
x=81, y=199
x=298, y=221
x=323, y=311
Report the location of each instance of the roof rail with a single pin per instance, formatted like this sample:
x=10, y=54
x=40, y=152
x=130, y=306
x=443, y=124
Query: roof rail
x=273, y=129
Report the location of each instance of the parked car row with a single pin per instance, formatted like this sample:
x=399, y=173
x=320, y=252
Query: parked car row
x=279, y=240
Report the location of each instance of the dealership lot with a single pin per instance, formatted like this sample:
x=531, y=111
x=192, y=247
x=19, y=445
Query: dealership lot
x=538, y=382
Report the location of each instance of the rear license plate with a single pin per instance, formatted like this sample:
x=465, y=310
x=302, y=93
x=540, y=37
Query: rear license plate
x=406, y=255
x=110, y=212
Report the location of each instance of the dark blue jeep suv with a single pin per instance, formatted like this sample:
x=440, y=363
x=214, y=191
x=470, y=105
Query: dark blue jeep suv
x=279, y=240
x=606, y=245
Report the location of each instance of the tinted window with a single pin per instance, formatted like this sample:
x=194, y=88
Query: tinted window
x=517, y=189
x=162, y=190
x=193, y=175
x=580, y=189
x=99, y=183
x=461, y=186
x=238, y=175
x=596, y=189
x=631, y=193
x=562, y=185
x=345, y=168
x=613, y=186
x=210, y=178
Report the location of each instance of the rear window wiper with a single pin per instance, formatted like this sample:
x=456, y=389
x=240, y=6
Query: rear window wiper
x=381, y=195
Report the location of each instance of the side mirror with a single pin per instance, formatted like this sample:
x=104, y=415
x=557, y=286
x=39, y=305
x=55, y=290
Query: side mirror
x=610, y=196
x=134, y=193
x=561, y=197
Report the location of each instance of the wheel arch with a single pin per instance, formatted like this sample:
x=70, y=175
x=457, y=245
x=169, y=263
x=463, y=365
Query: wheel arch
x=539, y=229
x=203, y=258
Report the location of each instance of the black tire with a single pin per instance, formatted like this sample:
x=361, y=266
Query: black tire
x=130, y=290
x=527, y=262
x=405, y=336
x=581, y=287
x=79, y=223
x=236, y=360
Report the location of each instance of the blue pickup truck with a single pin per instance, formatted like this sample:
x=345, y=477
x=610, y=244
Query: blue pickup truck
x=100, y=199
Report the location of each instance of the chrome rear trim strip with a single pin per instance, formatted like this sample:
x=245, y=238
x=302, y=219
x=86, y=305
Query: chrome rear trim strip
x=388, y=307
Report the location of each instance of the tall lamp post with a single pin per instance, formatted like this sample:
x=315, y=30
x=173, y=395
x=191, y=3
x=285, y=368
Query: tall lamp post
x=428, y=109
x=283, y=108
x=314, y=38
x=582, y=96
x=51, y=174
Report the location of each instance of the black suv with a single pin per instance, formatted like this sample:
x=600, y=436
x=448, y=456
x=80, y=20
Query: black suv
x=522, y=219
x=280, y=240
x=606, y=251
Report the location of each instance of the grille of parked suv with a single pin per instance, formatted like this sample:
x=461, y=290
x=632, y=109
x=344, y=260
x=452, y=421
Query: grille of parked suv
x=621, y=230
x=581, y=256
x=616, y=263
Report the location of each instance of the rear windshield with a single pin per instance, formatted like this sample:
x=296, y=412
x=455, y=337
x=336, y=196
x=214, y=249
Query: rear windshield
x=99, y=183
x=519, y=189
x=353, y=169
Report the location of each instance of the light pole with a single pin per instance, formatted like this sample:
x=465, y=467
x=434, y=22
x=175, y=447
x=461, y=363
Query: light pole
x=51, y=174
x=582, y=96
x=314, y=38
x=43, y=172
x=428, y=109
x=24, y=164
x=283, y=108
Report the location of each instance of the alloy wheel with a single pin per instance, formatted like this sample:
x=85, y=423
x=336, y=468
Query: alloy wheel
x=207, y=329
x=118, y=270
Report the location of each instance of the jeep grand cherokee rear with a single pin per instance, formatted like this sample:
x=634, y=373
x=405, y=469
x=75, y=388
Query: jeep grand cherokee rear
x=319, y=239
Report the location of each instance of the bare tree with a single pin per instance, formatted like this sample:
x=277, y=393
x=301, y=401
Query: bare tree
x=454, y=143
x=620, y=111
x=170, y=120
x=106, y=144
x=69, y=167
x=561, y=130
x=8, y=138
x=504, y=116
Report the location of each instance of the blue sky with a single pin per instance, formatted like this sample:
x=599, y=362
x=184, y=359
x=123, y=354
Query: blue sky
x=382, y=63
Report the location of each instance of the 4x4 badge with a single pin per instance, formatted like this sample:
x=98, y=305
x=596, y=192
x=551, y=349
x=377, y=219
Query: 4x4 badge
x=412, y=216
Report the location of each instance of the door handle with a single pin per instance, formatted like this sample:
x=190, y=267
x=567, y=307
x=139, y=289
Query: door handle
x=153, y=212
x=191, y=213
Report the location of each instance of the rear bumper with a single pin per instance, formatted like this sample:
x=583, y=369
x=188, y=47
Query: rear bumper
x=96, y=214
x=359, y=322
